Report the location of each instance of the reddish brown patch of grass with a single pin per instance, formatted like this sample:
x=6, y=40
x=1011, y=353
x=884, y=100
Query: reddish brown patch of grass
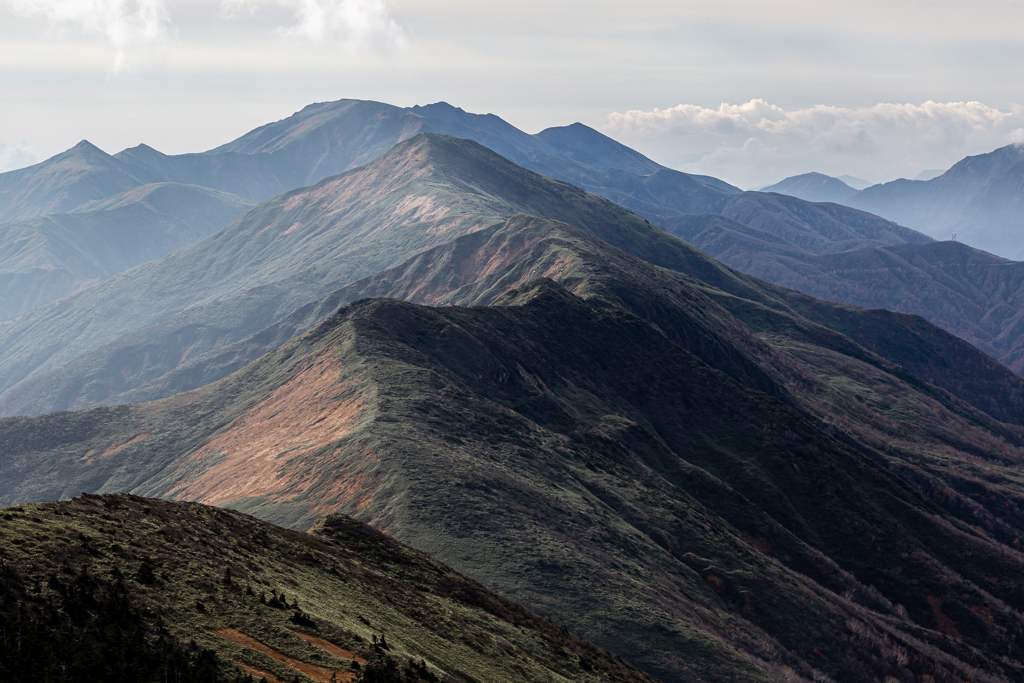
x=114, y=449
x=298, y=418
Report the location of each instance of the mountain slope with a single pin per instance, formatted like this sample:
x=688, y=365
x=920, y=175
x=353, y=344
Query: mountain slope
x=618, y=483
x=127, y=588
x=44, y=259
x=63, y=182
x=814, y=187
x=979, y=199
x=295, y=248
x=966, y=291
x=474, y=269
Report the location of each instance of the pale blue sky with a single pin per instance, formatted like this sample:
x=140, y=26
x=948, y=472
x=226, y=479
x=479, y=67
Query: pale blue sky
x=186, y=76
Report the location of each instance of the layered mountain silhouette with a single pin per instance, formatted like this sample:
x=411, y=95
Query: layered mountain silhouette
x=618, y=483
x=295, y=248
x=326, y=139
x=709, y=475
x=183, y=592
x=45, y=259
x=966, y=291
x=291, y=250
x=980, y=199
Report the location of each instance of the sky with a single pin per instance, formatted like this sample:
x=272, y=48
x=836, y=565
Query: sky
x=751, y=92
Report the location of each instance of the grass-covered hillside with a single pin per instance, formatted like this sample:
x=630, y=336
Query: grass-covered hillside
x=121, y=588
x=575, y=457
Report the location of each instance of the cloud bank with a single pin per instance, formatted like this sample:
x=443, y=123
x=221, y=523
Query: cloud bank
x=129, y=26
x=125, y=24
x=18, y=155
x=758, y=143
x=357, y=25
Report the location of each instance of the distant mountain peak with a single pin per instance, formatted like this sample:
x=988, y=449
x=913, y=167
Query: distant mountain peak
x=814, y=187
x=82, y=149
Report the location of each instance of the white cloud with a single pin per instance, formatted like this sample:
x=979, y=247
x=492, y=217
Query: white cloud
x=126, y=24
x=357, y=25
x=18, y=155
x=758, y=143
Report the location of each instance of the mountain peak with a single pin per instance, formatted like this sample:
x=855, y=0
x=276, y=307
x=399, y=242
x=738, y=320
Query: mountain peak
x=84, y=148
x=439, y=110
x=588, y=146
x=814, y=187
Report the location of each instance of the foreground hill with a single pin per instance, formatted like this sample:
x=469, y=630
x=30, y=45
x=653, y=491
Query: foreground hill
x=127, y=588
x=45, y=259
x=981, y=199
x=618, y=484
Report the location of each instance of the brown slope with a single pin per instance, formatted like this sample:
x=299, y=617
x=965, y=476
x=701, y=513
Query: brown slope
x=603, y=481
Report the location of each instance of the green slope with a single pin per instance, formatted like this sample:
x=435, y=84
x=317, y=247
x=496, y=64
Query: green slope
x=124, y=588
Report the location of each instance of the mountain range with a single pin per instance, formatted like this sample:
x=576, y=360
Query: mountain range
x=291, y=250
x=711, y=476
x=47, y=258
x=620, y=461
x=980, y=200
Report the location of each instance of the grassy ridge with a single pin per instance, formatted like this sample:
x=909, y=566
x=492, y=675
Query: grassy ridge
x=127, y=588
x=617, y=484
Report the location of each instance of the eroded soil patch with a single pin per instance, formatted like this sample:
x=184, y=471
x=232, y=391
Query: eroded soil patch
x=330, y=647
x=319, y=674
